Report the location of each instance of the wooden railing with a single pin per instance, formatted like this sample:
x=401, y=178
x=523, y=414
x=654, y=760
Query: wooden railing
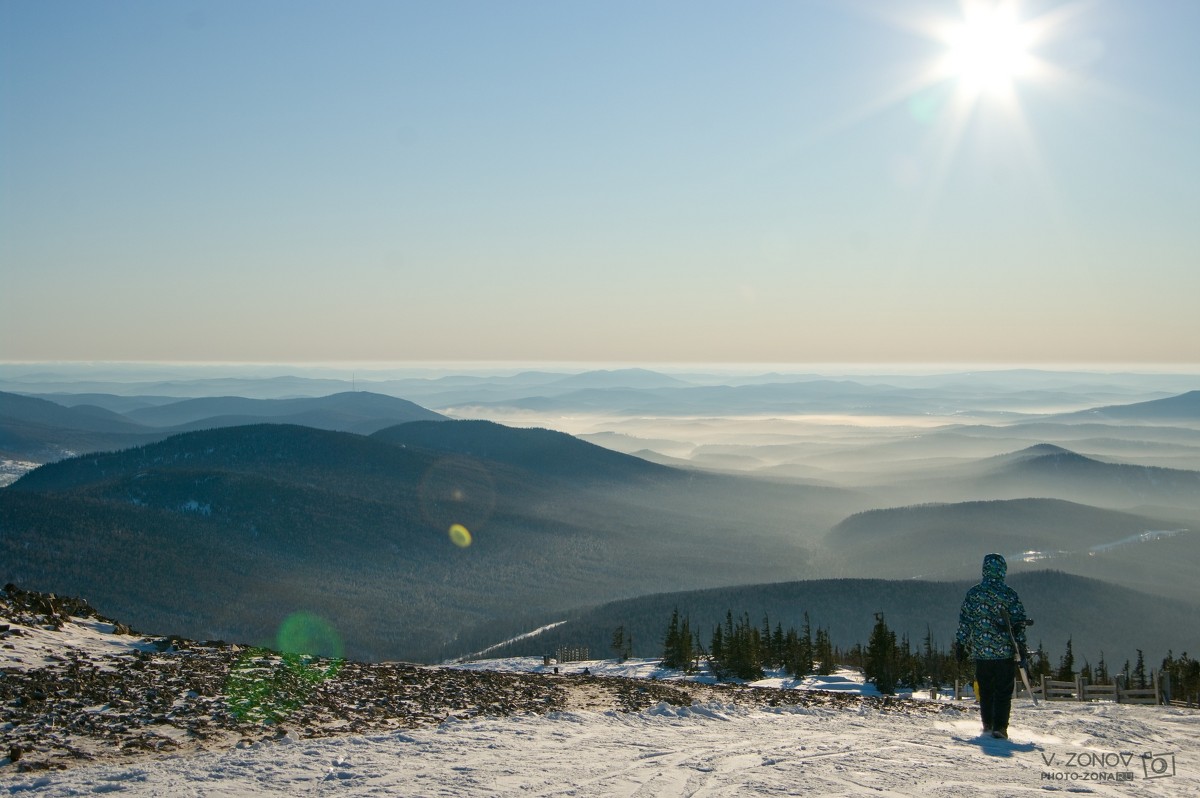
x=1080, y=690
x=1159, y=691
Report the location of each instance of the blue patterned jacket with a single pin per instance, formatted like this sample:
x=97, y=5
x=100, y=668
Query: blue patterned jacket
x=981, y=628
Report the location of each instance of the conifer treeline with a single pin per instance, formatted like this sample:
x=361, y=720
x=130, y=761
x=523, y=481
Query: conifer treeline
x=1183, y=671
x=739, y=649
x=888, y=663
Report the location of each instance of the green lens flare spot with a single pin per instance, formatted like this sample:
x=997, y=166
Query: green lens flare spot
x=460, y=536
x=309, y=634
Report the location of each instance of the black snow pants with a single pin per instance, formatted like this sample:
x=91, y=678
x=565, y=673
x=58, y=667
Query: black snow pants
x=996, y=678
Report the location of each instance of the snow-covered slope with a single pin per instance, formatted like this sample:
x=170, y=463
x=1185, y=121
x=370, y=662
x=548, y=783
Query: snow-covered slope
x=1097, y=749
x=515, y=727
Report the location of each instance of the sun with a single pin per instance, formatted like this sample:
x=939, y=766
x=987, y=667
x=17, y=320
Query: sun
x=977, y=69
x=989, y=48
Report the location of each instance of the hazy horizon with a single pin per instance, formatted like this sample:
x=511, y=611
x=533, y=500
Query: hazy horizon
x=1163, y=377
x=709, y=366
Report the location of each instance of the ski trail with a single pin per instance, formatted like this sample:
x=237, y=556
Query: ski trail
x=696, y=752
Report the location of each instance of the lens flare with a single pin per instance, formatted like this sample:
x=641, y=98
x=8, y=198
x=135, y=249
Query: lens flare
x=306, y=633
x=460, y=536
x=265, y=686
x=457, y=491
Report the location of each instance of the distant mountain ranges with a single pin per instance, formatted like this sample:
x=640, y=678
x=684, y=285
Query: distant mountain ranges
x=45, y=430
x=49, y=426
x=1051, y=471
x=668, y=397
x=222, y=533
x=942, y=541
x=1185, y=407
x=218, y=517
x=641, y=390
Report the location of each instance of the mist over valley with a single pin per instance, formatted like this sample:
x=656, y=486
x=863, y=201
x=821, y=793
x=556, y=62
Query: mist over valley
x=216, y=515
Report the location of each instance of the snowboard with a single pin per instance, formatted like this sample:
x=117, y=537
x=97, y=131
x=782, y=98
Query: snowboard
x=1018, y=654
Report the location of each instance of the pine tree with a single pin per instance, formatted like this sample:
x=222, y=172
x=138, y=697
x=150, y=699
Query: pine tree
x=1139, y=672
x=931, y=662
x=741, y=648
x=880, y=666
x=1101, y=673
x=1066, y=666
x=749, y=650
x=1041, y=662
x=671, y=640
x=806, y=648
x=909, y=670
x=765, y=659
x=856, y=657
x=686, y=651
x=791, y=654
x=677, y=645
x=1185, y=677
x=823, y=652
x=717, y=645
x=618, y=643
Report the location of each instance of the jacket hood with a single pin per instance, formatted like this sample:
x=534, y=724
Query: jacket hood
x=994, y=568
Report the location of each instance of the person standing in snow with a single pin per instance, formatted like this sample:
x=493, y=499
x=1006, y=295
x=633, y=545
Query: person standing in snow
x=983, y=635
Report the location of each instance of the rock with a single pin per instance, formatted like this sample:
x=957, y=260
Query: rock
x=73, y=711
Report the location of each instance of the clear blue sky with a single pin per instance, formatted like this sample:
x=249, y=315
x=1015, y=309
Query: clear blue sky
x=611, y=181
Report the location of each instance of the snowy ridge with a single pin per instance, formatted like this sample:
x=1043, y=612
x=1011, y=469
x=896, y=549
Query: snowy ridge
x=699, y=750
x=1149, y=536
x=87, y=709
x=843, y=681
x=503, y=643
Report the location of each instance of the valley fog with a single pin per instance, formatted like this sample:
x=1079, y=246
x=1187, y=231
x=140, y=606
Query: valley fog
x=573, y=489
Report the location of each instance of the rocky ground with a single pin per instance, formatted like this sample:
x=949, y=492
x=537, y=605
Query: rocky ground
x=76, y=688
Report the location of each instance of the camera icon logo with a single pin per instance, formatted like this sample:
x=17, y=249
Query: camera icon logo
x=1158, y=766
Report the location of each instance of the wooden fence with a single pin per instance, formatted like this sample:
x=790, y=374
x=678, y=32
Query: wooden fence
x=1159, y=691
x=572, y=653
x=1080, y=690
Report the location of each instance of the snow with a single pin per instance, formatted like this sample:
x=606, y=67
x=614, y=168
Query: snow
x=1149, y=536
x=12, y=470
x=702, y=750
x=699, y=750
x=39, y=647
x=634, y=668
x=520, y=637
x=193, y=506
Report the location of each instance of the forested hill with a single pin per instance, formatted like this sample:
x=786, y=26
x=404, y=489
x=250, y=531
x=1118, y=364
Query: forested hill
x=350, y=411
x=942, y=541
x=1182, y=408
x=223, y=533
x=27, y=410
x=272, y=451
x=541, y=451
x=44, y=430
x=1097, y=616
x=41, y=430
